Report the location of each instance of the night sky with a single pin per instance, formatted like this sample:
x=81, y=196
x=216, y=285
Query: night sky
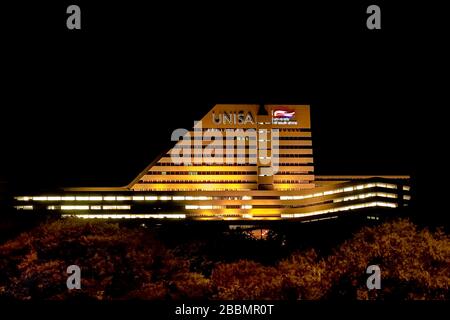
x=93, y=108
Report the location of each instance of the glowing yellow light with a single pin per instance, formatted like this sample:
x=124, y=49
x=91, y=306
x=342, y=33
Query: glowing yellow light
x=24, y=207
x=116, y=207
x=126, y=216
x=23, y=198
x=346, y=208
x=40, y=198
x=74, y=207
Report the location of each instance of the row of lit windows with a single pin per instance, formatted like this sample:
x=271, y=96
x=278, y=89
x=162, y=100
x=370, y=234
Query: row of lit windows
x=294, y=147
x=198, y=181
x=319, y=219
x=126, y=216
x=224, y=148
x=24, y=207
x=291, y=181
x=298, y=188
x=136, y=198
x=214, y=155
x=88, y=207
x=287, y=173
x=171, y=164
x=211, y=207
x=247, y=216
x=206, y=173
x=352, y=207
x=233, y=129
x=177, y=198
x=175, y=188
x=294, y=138
x=362, y=196
x=367, y=195
x=218, y=148
x=341, y=190
x=294, y=155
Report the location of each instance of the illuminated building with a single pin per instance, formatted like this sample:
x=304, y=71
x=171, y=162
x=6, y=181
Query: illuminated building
x=240, y=162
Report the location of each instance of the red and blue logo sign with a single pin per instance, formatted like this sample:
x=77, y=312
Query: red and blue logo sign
x=283, y=113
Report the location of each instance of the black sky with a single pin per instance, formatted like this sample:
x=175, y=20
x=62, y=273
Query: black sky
x=93, y=108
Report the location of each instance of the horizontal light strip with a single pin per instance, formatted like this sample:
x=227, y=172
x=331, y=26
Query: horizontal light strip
x=74, y=207
x=342, y=190
x=24, y=207
x=367, y=195
x=126, y=216
x=96, y=207
x=353, y=207
x=120, y=198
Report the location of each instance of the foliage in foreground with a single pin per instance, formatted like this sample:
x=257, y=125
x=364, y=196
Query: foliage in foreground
x=123, y=263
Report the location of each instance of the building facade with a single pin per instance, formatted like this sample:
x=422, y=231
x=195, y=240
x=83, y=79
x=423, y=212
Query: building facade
x=240, y=162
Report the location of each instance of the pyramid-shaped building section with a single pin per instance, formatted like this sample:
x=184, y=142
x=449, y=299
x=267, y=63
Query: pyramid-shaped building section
x=237, y=147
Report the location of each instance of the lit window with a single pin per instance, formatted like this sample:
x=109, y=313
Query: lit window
x=74, y=207
x=24, y=207
x=116, y=207
x=40, y=198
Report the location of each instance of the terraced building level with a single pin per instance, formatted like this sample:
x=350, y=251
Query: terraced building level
x=240, y=162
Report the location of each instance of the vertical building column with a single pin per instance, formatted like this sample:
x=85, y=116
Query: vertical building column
x=264, y=135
